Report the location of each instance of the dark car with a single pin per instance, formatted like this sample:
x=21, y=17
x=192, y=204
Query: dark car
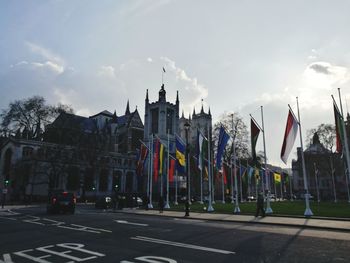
x=104, y=202
x=61, y=202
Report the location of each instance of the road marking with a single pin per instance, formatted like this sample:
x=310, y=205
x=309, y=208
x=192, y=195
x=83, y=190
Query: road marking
x=129, y=223
x=9, y=218
x=176, y=244
x=34, y=220
x=98, y=229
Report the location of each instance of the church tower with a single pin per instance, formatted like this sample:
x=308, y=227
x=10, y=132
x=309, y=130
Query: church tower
x=161, y=118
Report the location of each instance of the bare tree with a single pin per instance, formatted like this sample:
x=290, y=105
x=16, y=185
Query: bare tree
x=326, y=134
x=237, y=129
x=29, y=116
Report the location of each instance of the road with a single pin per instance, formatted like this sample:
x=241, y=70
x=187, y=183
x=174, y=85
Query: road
x=29, y=235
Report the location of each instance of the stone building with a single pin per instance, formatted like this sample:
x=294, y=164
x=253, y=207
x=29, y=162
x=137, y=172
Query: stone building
x=324, y=172
x=90, y=156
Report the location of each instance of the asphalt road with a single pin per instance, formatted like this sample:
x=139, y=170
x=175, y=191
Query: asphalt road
x=29, y=235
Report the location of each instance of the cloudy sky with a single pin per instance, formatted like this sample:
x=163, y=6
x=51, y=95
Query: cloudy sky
x=236, y=55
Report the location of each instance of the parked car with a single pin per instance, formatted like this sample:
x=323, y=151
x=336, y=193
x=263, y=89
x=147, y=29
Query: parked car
x=104, y=202
x=61, y=201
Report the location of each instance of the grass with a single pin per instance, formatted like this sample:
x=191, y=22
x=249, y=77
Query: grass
x=287, y=208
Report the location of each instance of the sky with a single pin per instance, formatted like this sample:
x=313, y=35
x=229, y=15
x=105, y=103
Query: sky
x=235, y=55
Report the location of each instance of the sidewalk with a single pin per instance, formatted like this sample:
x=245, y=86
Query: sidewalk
x=314, y=223
x=336, y=224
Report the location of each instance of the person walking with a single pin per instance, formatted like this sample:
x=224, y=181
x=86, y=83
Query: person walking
x=260, y=205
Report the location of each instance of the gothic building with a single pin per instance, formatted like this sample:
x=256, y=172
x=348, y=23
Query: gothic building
x=162, y=119
x=90, y=156
x=324, y=172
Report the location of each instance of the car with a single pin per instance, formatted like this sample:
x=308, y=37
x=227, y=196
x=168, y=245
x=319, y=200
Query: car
x=61, y=201
x=104, y=202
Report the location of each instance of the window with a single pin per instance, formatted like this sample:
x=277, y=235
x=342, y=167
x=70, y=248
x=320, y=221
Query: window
x=154, y=121
x=27, y=151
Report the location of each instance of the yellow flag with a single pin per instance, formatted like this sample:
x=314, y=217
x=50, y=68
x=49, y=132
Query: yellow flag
x=277, y=177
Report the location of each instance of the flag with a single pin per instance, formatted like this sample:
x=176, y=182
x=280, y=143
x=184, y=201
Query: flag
x=223, y=139
x=257, y=174
x=164, y=70
x=180, y=155
x=224, y=173
x=277, y=178
x=171, y=169
x=156, y=148
x=289, y=136
x=201, y=141
x=338, y=128
x=206, y=176
x=254, y=134
x=141, y=159
x=161, y=158
x=250, y=172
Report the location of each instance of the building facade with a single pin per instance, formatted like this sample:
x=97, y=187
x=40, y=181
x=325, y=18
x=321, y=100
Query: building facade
x=90, y=156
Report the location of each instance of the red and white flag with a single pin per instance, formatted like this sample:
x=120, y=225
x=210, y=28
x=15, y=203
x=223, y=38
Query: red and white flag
x=289, y=136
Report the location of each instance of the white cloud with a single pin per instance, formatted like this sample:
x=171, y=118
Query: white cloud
x=48, y=65
x=45, y=53
x=107, y=71
x=150, y=60
x=192, y=92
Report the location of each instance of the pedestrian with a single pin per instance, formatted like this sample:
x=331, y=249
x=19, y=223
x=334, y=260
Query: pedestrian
x=161, y=204
x=260, y=205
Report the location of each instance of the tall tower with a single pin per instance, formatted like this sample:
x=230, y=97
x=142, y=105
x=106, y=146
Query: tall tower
x=161, y=118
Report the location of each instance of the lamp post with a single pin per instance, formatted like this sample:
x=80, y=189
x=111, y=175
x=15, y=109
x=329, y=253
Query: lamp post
x=187, y=126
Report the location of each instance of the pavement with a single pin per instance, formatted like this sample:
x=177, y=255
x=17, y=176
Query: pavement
x=334, y=224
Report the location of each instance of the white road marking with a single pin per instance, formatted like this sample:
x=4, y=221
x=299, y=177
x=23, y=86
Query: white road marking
x=130, y=223
x=176, y=244
x=98, y=229
x=9, y=218
x=34, y=220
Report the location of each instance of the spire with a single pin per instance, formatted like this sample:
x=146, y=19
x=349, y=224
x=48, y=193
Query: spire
x=202, y=110
x=177, y=97
x=183, y=114
x=147, y=95
x=209, y=112
x=194, y=111
x=127, y=111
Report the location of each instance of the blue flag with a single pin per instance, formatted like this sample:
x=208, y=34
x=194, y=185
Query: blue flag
x=223, y=139
x=180, y=155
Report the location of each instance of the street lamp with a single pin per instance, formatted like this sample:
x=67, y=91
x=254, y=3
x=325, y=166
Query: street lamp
x=187, y=126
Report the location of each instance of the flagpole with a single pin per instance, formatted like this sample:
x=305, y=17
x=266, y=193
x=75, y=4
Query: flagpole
x=149, y=168
x=176, y=181
x=222, y=184
x=316, y=182
x=167, y=206
x=240, y=180
x=346, y=146
x=189, y=179
x=151, y=176
x=210, y=207
x=201, y=202
x=274, y=183
x=290, y=188
x=236, y=210
x=308, y=211
x=333, y=181
x=232, y=192
x=268, y=205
